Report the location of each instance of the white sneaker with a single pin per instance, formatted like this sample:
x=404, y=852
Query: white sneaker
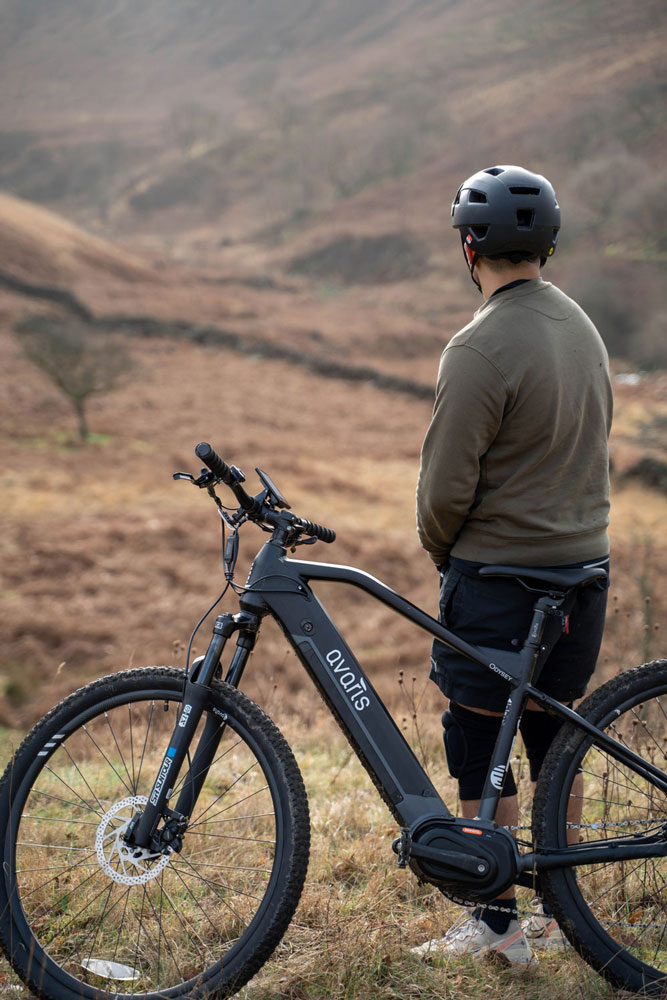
x=542, y=931
x=471, y=936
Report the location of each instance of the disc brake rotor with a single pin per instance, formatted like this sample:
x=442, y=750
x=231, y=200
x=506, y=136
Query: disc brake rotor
x=121, y=862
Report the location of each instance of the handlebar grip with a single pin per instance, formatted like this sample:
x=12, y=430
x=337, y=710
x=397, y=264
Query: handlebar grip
x=231, y=477
x=211, y=458
x=318, y=530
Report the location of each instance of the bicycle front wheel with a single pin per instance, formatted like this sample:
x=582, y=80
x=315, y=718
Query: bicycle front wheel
x=79, y=914
x=614, y=912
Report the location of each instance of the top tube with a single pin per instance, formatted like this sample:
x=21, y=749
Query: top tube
x=504, y=662
x=514, y=667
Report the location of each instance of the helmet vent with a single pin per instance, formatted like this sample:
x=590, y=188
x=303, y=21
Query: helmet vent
x=494, y=170
x=477, y=197
x=525, y=218
x=524, y=190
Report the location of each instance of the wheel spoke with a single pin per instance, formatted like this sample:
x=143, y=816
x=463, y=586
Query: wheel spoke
x=160, y=935
x=64, y=747
x=238, y=802
x=129, y=713
x=76, y=949
x=191, y=873
x=67, y=802
x=214, y=928
x=98, y=812
x=181, y=781
x=82, y=863
x=120, y=752
x=130, y=790
x=59, y=819
x=227, y=790
x=143, y=749
x=217, y=885
x=95, y=929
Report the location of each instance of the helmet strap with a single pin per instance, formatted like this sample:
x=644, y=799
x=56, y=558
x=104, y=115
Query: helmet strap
x=471, y=258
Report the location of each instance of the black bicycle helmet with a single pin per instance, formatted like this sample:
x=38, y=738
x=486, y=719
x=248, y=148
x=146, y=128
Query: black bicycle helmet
x=507, y=212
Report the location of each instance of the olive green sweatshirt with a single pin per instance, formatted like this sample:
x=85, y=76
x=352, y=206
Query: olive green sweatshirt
x=515, y=465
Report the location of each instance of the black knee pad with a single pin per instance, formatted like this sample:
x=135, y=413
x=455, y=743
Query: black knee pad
x=469, y=741
x=537, y=732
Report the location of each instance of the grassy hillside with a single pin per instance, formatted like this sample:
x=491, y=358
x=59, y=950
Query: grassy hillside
x=108, y=563
x=51, y=264
x=245, y=136
x=41, y=246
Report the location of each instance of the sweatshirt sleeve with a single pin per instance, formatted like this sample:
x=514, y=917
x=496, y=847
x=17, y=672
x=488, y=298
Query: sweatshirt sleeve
x=471, y=397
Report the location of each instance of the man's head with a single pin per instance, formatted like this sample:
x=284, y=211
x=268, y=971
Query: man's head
x=506, y=214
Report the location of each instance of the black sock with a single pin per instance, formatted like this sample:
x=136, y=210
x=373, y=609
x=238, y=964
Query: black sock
x=498, y=920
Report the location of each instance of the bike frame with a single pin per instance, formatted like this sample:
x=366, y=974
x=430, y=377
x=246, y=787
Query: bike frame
x=280, y=586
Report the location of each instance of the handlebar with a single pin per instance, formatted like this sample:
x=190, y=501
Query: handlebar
x=255, y=507
x=232, y=477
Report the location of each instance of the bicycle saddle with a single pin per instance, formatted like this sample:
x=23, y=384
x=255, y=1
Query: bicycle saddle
x=563, y=579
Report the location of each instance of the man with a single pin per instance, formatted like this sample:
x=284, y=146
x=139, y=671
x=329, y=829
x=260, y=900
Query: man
x=514, y=470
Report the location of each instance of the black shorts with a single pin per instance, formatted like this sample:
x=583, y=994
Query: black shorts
x=496, y=612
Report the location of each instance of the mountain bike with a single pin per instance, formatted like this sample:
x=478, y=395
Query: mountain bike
x=155, y=826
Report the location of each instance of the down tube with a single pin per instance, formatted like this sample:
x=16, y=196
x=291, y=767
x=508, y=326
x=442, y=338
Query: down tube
x=371, y=731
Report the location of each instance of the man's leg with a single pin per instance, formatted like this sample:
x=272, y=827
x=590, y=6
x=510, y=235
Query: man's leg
x=538, y=731
x=470, y=738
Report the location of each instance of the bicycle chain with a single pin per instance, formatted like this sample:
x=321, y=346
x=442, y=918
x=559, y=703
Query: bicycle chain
x=471, y=905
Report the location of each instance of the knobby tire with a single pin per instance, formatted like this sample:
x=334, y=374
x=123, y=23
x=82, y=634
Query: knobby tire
x=77, y=918
x=614, y=913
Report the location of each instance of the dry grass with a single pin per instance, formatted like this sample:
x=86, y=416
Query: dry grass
x=121, y=561
x=106, y=563
x=359, y=915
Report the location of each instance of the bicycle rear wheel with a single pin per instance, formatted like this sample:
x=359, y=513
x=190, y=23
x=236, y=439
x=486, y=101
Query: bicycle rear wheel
x=614, y=913
x=79, y=916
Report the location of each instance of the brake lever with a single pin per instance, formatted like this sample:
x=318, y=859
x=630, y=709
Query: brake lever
x=303, y=541
x=204, y=480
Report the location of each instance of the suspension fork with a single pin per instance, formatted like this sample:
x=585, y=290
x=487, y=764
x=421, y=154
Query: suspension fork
x=142, y=832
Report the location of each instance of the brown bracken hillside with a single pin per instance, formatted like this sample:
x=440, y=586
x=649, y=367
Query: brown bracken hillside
x=107, y=563
x=241, y=138
x=255, y=196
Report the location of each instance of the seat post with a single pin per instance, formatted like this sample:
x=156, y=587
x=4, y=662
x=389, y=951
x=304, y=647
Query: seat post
x=548, y=604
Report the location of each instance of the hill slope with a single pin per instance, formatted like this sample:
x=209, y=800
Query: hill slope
x=243, y=136
x=106, y=562
x=42, y=246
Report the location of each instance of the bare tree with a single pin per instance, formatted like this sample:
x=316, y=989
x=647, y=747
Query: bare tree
x=80, y=361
